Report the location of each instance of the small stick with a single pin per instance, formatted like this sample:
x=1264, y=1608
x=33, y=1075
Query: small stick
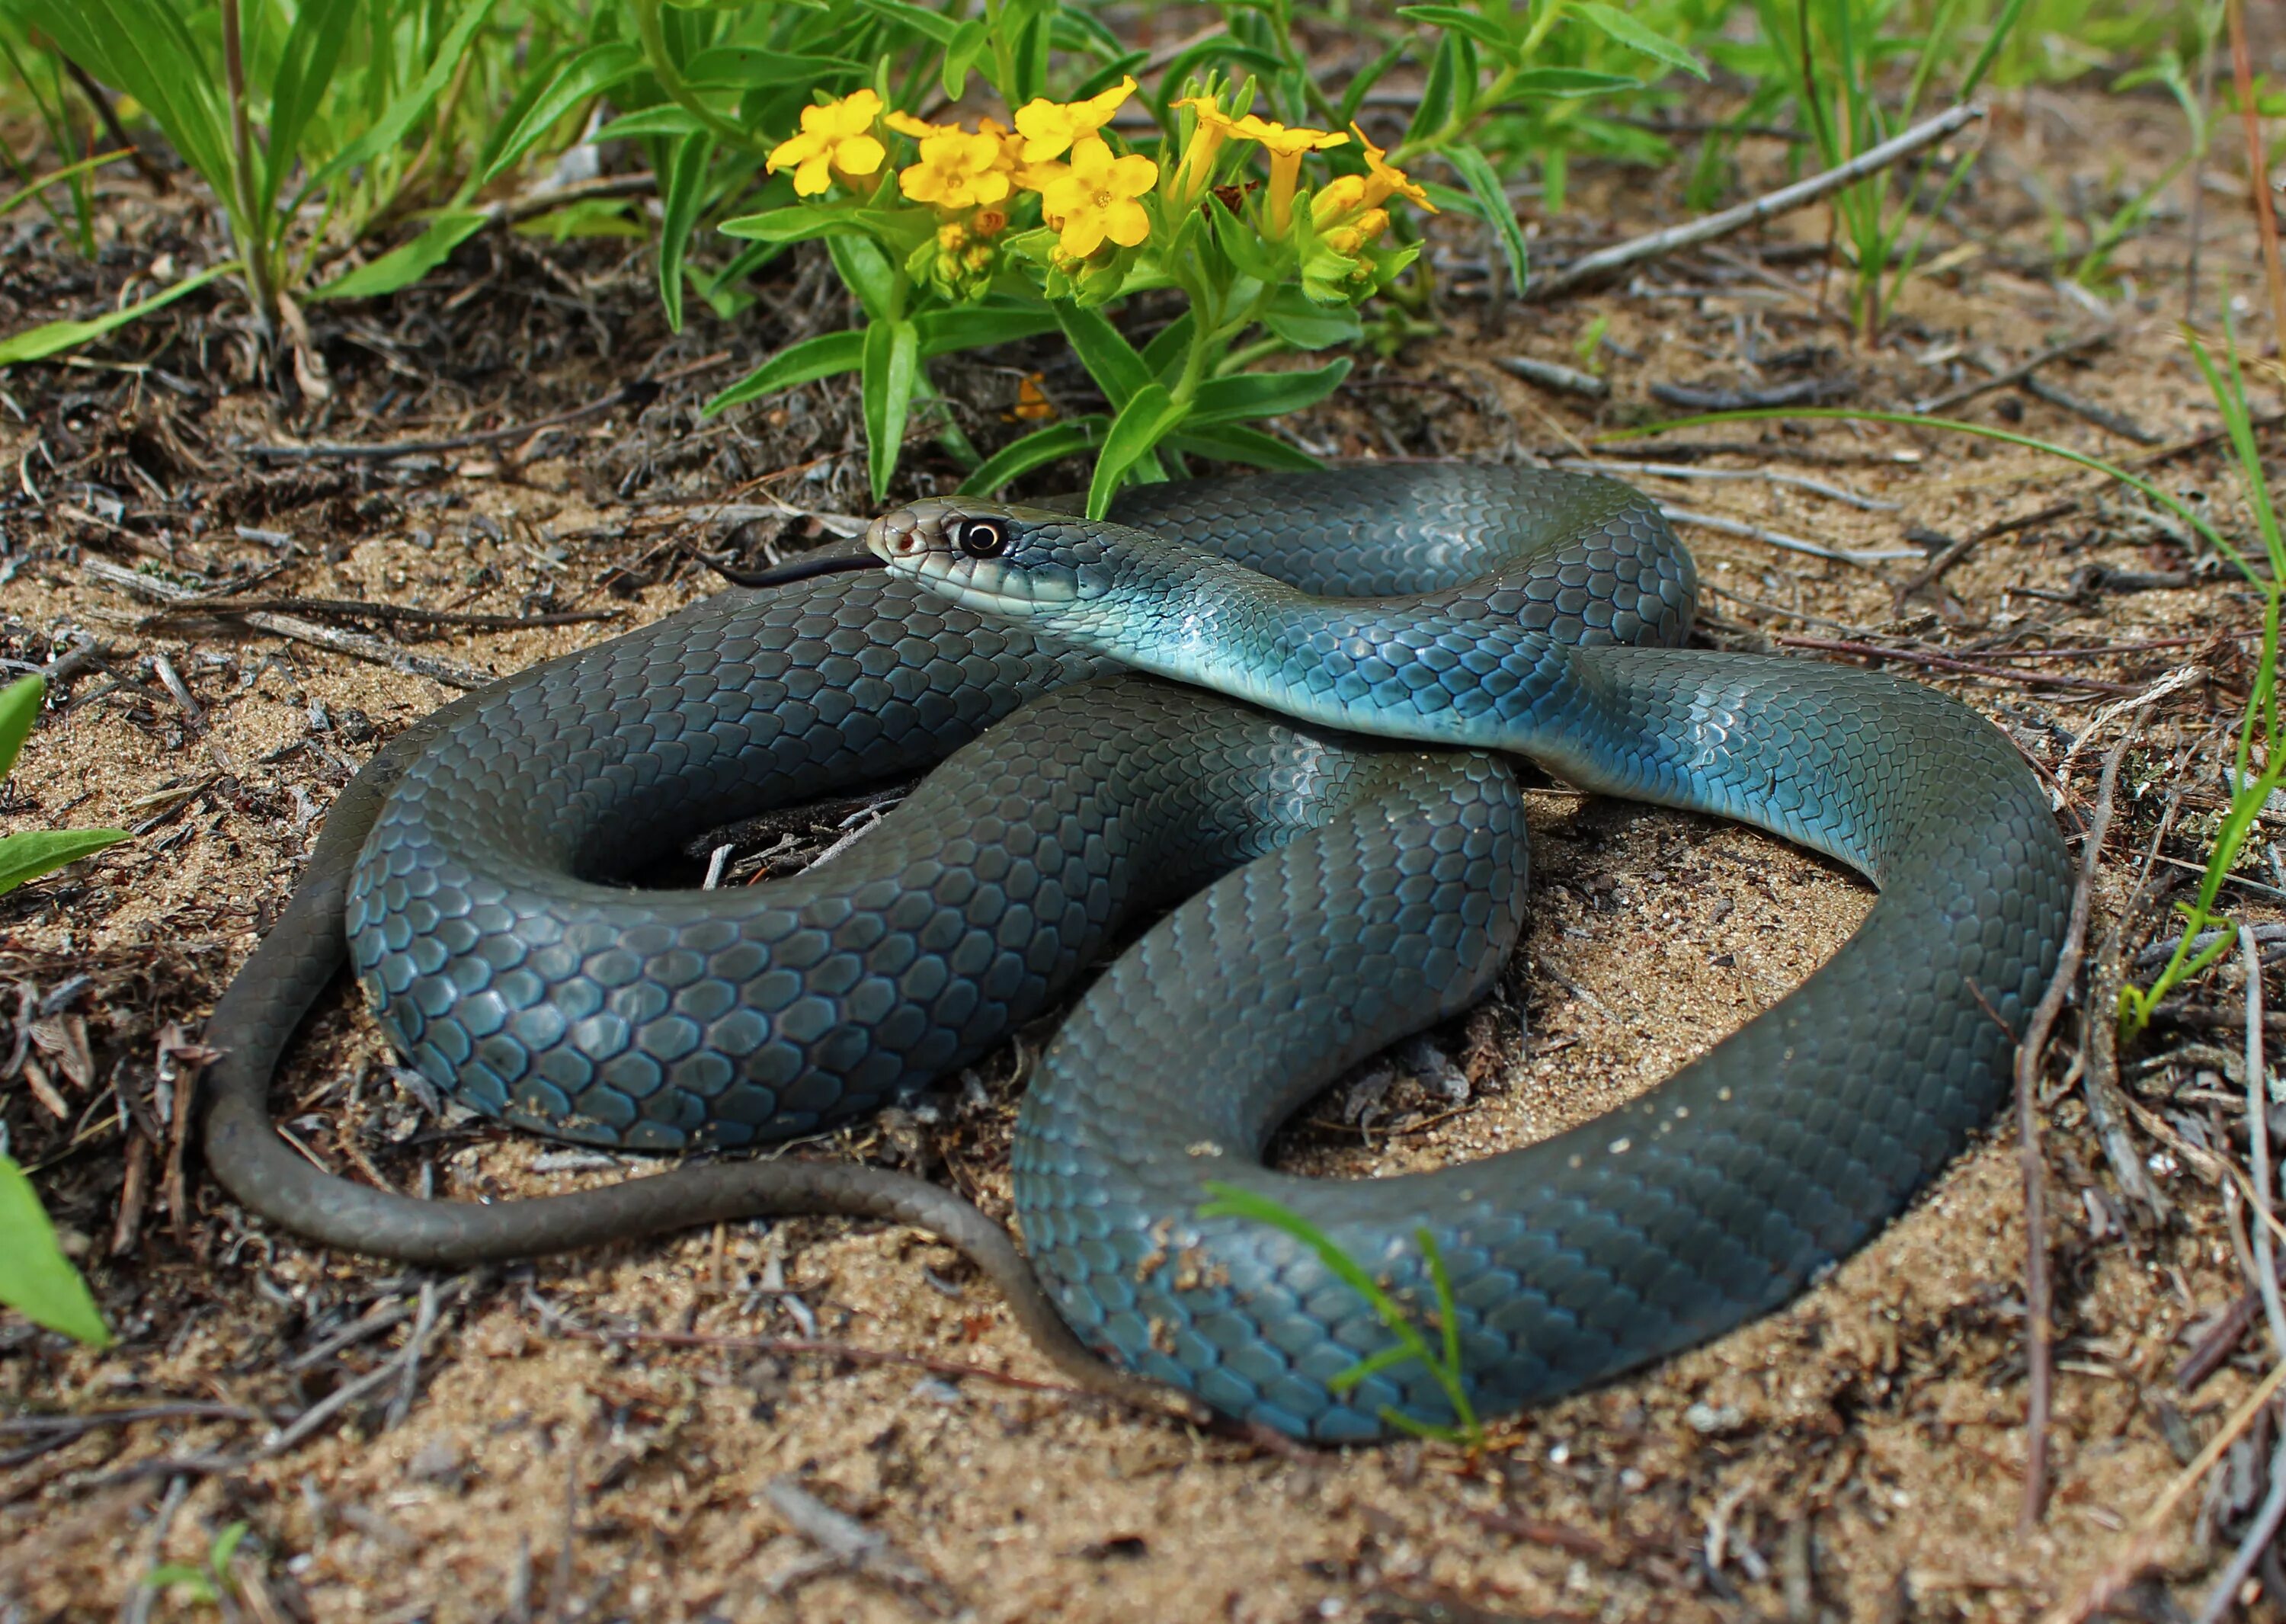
x=2224, y=1596
x=2015, y=374
x=355, y=644
x=1927, y=574
x=1553, y=374
x=2103, y=417
x=359, y=608
x=2258, y=1135
x=854, y=1354
x=1777, y=538
x=1940, y=662
x=2140, y=1548
x=2039, y=1329
x=1707, y=228
x=1678, y=470
x=642, y=392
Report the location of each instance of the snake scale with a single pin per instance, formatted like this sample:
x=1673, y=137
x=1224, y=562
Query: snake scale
x=1342, y=846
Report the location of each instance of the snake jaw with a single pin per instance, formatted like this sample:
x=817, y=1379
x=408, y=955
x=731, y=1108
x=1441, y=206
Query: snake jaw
x=1044, y=562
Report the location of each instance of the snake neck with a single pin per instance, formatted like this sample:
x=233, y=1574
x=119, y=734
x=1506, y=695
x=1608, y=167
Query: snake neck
x=1453, y=668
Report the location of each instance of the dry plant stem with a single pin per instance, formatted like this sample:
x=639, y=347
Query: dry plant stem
x=2258, y=1135
x=155, y=177
x=2039, y=1330
x=640, y=393
x=2015, y=374
x=1707, y=228
x=2141, y=1548
x=1942, y=662
x=253, y=253
x=355, y=644
x=2224, y=1596
x=2258, y=168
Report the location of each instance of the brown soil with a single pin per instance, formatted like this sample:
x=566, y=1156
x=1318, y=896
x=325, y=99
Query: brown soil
x=600, y=1435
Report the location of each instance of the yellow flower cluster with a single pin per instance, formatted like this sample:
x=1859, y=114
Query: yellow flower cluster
x=1088, y=195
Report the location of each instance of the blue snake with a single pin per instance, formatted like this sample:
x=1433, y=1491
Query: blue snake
x=1279, y=706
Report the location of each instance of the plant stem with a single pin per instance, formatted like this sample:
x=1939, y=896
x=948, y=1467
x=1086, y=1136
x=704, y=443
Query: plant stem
x=2258, y=170
x=253, y=231
x=662, y=70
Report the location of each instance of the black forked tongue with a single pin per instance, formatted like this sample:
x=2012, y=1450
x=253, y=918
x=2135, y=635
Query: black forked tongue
x=801, y=569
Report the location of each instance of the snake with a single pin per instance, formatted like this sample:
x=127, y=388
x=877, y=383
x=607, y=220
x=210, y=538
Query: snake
x=1272, y=723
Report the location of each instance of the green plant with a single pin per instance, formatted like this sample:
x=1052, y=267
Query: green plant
x=1441, y=1359
x=37, y=1280
x=2106, y=231
x=1836, y=58
x=41, y=77
x=33, y=851
x=248, y=95
x=209, y=1586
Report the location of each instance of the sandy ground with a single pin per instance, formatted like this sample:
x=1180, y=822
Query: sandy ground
x=617, y=1435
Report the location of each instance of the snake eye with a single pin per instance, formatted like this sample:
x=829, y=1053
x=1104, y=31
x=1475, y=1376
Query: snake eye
x=980, y=538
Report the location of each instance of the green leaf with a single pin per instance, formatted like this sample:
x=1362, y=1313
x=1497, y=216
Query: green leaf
x=1353, y=96
x=1307, y=325
x=1633, y=34
x=797, y=223
x=34, y=852
x=409, y=262
x=20, y=708
x=1118, y=371
x=683, y=188
x=667, y=119
x=1229, y=443
x=590, y=74
x=52, y=337
x=145, y=48
x=1037, y=449
x=803, y=363
x=400, y=116
x=866, y=273
x=1244, y=244
x=1150, y=414
x=1493, y=207
x=37, y=1280
x=931, y=24
x=1265, y=394
x=306, y=68
x=593, y=217
x=974, y=325
x=1570, y=82
x=1479, y=29
x=892, y=365
x=744, y=67
x=1437, y=92
x=1167, y=347
x=967, y=44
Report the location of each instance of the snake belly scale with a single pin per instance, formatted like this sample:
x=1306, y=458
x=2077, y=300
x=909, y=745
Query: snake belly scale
x=1333, y=892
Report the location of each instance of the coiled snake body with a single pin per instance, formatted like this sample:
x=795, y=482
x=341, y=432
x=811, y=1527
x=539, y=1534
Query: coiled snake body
x=1342, y=892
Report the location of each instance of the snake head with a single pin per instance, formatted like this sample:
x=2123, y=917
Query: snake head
x=1016, y=563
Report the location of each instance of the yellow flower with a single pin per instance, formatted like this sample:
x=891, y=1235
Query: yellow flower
x=1286, y=145
x=1381, y=179
x=920, y=129
x=1360, y=233
x=956, y=170
x=1339, y=198
x=1050, y=127
x=1214, y=127
x=1095, y=197
x=836, y=139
